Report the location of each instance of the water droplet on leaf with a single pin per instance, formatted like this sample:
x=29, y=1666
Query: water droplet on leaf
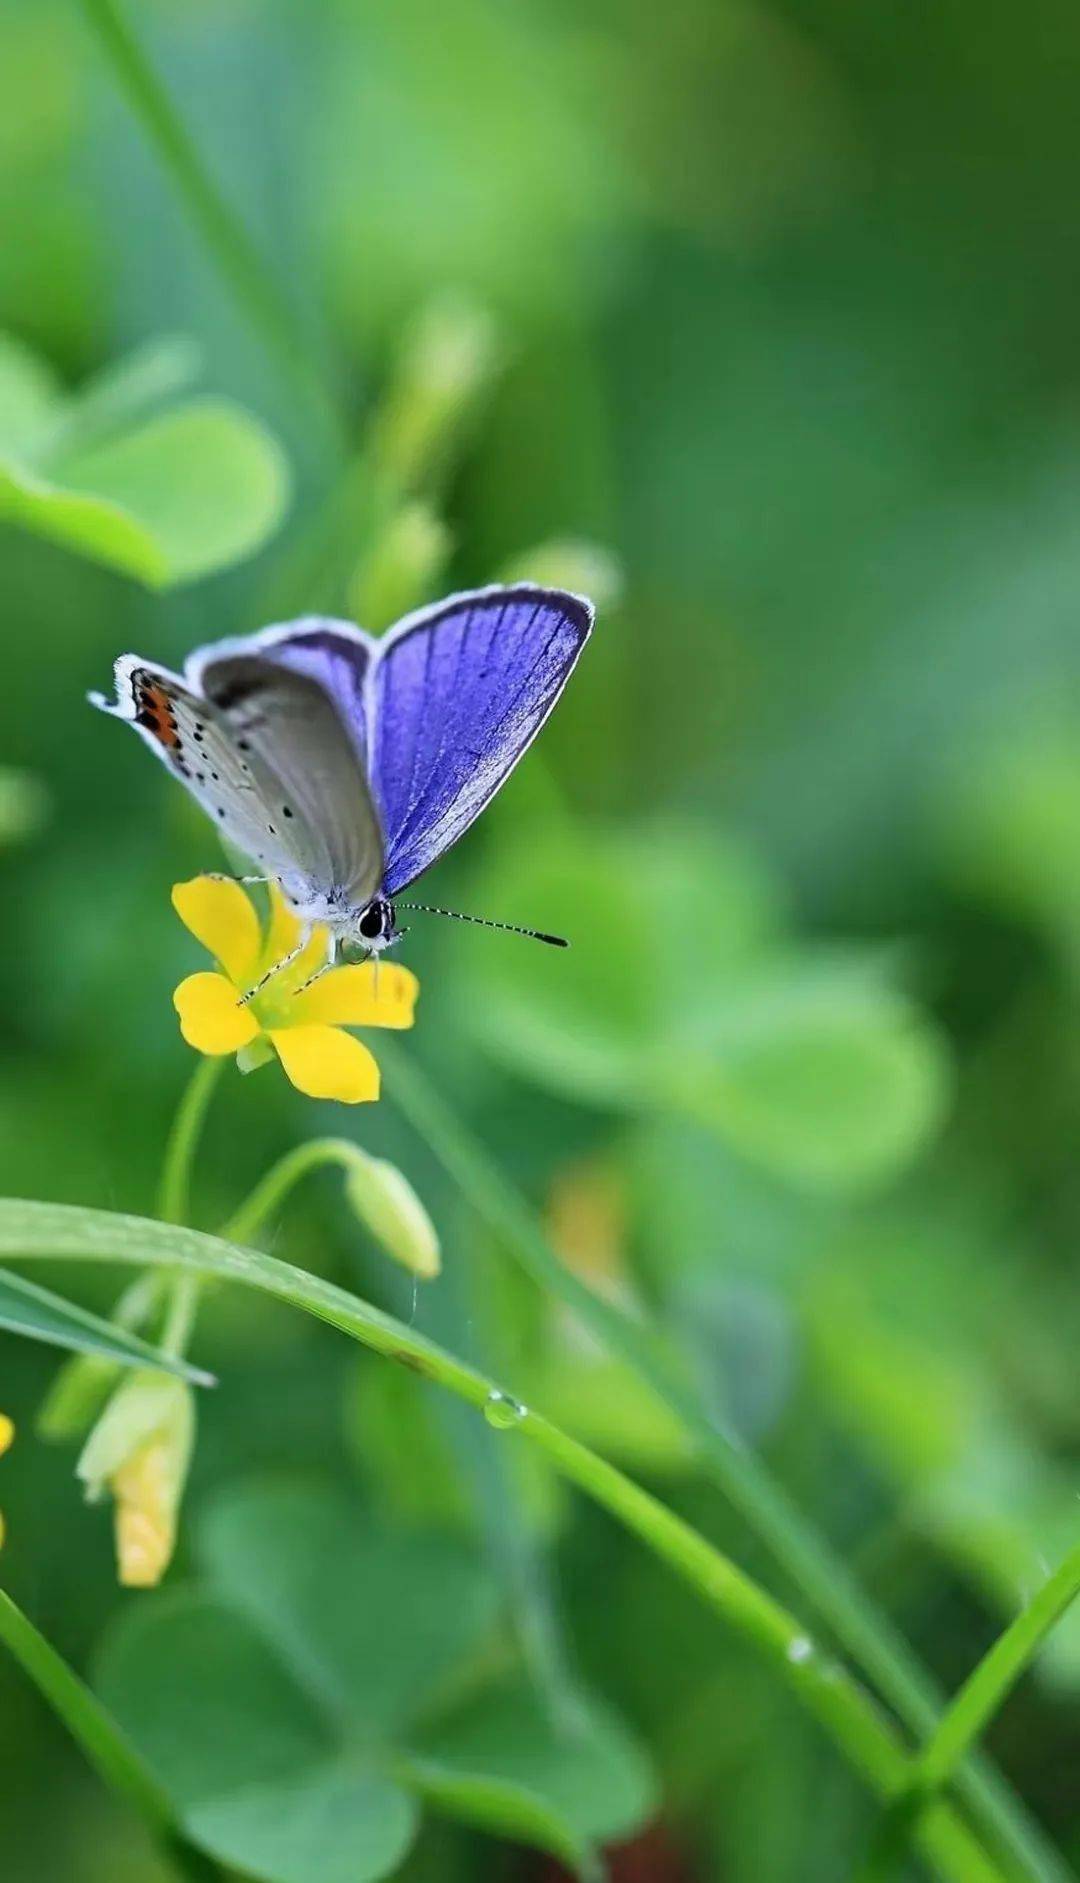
x=503, y=1412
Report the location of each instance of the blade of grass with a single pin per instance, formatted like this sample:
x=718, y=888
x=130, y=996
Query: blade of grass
x=814, y=1569
x=971, y=1710
x=820, y=1684
x=102, y=1742
x=100, y=1738
x=37, y=1314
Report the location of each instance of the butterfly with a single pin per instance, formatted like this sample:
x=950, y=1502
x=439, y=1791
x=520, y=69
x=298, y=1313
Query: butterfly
x=345, y=766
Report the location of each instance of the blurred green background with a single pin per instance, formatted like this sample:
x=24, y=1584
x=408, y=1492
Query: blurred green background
x=761, y=320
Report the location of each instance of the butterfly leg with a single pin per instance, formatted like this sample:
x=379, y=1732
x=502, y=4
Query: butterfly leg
x=277, y=966
x=219, y=876
x=325, y=969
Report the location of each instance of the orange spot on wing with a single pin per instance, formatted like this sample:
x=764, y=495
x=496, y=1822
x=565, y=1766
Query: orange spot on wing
x=155, y=712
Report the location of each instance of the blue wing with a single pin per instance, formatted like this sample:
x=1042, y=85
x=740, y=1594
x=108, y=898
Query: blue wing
x=457, y=693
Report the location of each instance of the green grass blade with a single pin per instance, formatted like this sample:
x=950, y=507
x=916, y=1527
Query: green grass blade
x=94, y=1729
x=37, y=1314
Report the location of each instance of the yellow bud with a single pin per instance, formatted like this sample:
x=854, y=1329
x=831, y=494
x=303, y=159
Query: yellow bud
x=387, y=1204
x=139, y=1451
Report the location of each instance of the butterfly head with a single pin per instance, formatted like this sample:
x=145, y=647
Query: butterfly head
x=376, y=926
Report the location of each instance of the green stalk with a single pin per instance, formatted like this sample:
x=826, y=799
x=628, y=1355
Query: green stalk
x=104, y=1745
x=174, y=1191
x=174, y=1188
x=972, y=1709
x=270, y=1191
x=239, y=261
x=821, y=1576
x=101, y=1739
x=822, y=1686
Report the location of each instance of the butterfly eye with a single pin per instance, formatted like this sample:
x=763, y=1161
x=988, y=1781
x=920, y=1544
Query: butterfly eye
x=371, y=922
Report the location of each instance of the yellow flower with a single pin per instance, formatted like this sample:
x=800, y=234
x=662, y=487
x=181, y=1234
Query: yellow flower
x=302, y=1024
x=7, y=1433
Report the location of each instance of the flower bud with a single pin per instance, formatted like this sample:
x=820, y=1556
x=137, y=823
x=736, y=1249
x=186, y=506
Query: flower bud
x=140, y=1450
x=389, y=1207
x=77, y=1395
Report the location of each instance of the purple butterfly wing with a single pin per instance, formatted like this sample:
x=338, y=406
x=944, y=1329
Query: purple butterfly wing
x=456, y=695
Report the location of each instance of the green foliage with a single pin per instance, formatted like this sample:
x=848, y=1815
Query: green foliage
x=165, y=496
x=338, y=1686
x=38, y=1314
x=805, y=1061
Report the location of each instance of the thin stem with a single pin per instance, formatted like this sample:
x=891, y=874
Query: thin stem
x=819, y=1574
x=971, y=1710
x=174, y=1192
x=821, y=1685
x=175, y=1186
x=240, y=262
x=270, y=1192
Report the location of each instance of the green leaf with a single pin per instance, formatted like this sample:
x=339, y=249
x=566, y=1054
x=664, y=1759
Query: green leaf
x=207, y=483
x=321, y=1826
x=818, y=1074
x=808, y=1065
x=366, y=1621
x=39, y=1315
x=585, y=1769
x=257, y=1778
x=92, y=525
x=31, y=397
x=594, y=1028
x=163, y=497
x=319, y=1641
x=503, y=1808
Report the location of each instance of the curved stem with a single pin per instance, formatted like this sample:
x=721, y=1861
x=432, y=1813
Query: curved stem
x=816, y=1571
x=820, y=1684
x=270, y=1191
x=247, y=274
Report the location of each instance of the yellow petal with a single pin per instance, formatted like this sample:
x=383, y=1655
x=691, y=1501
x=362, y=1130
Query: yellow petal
x=284, y=930
x=7, y=1432
x=347, y=997
x=220, y=916
x=326, y=1063
x=211, y=1018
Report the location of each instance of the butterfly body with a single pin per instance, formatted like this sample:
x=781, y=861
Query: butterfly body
x=345, y=766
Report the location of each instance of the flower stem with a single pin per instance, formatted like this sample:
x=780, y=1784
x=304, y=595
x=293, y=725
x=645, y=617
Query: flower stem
x=820, y=1684
x=175, y=1186
x=821, y=1577
x=270, y=1192
x=236, y=256
x=174, y=1191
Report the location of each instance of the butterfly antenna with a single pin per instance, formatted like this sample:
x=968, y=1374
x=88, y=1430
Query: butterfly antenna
x=482, y=921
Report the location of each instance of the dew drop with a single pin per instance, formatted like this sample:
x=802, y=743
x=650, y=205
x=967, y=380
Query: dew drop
x=800, y=1648
x=503, y=1412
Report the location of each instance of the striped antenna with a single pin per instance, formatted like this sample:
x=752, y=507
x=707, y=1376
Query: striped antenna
x=482, y=921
